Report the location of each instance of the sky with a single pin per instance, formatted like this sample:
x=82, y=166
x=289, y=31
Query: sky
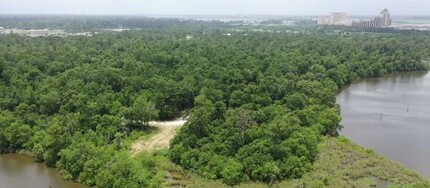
x=214, y=7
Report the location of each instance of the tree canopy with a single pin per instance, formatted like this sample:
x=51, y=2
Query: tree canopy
x=259, y=101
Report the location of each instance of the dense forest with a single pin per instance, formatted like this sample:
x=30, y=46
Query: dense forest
x=260, y=102
x=95, y=23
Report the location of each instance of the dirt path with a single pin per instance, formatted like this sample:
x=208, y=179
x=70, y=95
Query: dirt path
x=161, y=140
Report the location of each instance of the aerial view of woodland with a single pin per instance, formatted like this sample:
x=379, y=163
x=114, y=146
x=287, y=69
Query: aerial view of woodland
x=166, y=102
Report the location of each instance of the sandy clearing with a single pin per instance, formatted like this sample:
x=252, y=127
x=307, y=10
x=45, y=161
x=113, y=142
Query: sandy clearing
x=161, y=140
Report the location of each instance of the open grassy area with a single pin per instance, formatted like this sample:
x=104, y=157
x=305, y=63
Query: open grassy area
x=341, y=163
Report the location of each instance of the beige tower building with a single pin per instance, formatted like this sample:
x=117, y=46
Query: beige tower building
x=337, y=17
x=386, y=17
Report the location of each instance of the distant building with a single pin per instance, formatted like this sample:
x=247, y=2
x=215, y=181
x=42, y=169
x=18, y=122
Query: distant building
x=335, y=18
x=386, y=17
x=383, y=20
x=323, y=21
x=339, y=18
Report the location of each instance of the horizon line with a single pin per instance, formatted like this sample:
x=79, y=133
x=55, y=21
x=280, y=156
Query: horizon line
x=171, y=15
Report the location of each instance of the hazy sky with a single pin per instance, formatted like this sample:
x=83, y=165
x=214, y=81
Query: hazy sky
x=212, y=7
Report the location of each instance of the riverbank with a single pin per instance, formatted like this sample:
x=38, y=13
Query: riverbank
x=340, y=163
x=14, y=168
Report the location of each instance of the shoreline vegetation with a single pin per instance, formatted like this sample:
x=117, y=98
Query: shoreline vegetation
x=341, y=163
x=263, y=103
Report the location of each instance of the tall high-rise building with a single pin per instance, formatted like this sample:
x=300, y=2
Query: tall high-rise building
x=384, y=20
x=386, y=17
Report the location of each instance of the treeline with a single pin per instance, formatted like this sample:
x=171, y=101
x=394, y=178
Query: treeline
x=72, y=23
x=260, y=101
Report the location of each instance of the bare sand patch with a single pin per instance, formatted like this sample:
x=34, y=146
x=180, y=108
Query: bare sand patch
x=162, y=139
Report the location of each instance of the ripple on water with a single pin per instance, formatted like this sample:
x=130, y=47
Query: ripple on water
x=402, y=132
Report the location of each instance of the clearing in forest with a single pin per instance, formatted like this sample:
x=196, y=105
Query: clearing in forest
x=160, y=140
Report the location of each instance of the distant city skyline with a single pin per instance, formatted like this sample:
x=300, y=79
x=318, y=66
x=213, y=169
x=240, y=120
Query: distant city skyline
x=340, y=18
x=213, y=7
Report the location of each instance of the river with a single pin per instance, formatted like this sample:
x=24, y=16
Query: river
x=401, y=133
x=390, y=115
x=18, y=171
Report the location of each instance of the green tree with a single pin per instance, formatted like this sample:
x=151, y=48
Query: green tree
x=143, y=111
x=17, y=135
x=232, y=173
x=50, y=103
x=330, y=121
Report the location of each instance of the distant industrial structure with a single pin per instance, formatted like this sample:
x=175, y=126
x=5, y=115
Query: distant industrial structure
x=383, y=20
x=340, y=18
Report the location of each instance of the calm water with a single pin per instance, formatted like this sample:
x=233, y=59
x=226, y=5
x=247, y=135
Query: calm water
x=402, y=132
x=17, y=171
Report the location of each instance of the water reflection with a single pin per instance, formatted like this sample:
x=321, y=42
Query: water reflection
x=390, y=115
x=17, y=171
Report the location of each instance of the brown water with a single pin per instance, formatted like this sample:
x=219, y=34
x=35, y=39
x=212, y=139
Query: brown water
x=18, y=171
x=402, y=132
